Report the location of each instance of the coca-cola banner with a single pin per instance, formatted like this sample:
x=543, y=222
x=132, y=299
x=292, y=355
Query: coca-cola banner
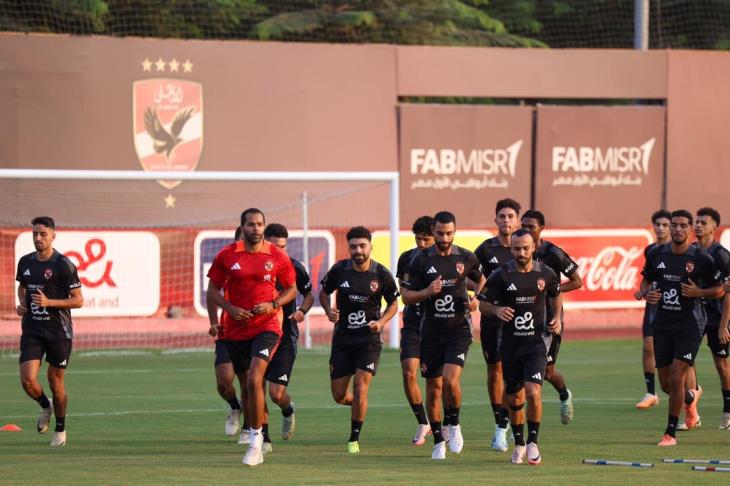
x=463, y=159
x=611, y=157
x=610, y=263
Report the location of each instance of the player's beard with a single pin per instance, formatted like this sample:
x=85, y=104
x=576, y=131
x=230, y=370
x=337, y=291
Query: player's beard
x=679, y=239
x=522, y=261
x=444, y=245
x=360, y=258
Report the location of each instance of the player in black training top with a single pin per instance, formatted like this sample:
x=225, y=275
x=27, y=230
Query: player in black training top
x=660, y=225
x=708, y=219
x=410, y=336
x=437, y=278
x=670, y=274
x=278, y=374
x=517, y=294
x=559, y=262
x=361, y=283
x=49, y=288
x=492, y=253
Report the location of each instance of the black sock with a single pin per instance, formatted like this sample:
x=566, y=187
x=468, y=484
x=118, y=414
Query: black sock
x=689, y=397
x=60, y=424
x=436, y=431
x=234, y=404
x=563, y=392
x=503, y=418
x=246, y=426
x=43, y=401
x=726, y=401
x=672, y=425
x=420, y=413
x=265, y=432
x=447, y=418
x=518, y=432
x=649, y=380
x=355, y=429
x=533, y=428
x=288, y=411
x=496, y=410
x=453, y=415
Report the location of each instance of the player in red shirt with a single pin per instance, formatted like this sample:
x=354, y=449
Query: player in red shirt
x=252, y=317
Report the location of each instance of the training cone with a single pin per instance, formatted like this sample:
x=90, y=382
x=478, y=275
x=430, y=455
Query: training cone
x=10, y=428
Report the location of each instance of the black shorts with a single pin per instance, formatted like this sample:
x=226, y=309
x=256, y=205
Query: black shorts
x=57, y=350
x=680, y=342
x=554, y=349
x=281, y=365
x=352, y=353
x=262, y=346
x=647, y=327
x=524, y=364
x=440, y=348
x=410, y=343
x=713, y=342
x=222, y=356
x=490, y=336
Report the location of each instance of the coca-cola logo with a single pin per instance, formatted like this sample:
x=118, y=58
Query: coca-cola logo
x=612, y=268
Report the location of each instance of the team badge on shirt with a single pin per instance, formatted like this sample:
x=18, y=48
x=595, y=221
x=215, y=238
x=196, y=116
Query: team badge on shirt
x=374, y=285
x=689, y=266
x=540, y=284
x=48, y=273
x=460, y=267
x=269, y=266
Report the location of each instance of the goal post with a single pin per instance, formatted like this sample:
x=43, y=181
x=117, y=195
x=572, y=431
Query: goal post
x=389, y=178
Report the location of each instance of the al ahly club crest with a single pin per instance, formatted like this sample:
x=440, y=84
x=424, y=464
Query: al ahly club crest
x=168, y=120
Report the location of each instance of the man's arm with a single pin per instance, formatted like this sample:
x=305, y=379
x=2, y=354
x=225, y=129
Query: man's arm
x=74, y=301
x=324, y=300
x=574, y=283
x=21, y=309
x=213, y=294
x=555, y=303
x=652, y=296
x=504, y=314
x=723, y=333
x=411, y=297
x=307, y=303
x=377, y=326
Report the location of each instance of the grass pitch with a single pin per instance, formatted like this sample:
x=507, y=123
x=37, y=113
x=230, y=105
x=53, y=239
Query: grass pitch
x=154, y=417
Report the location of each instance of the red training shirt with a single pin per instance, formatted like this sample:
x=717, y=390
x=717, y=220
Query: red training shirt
x=250, y=279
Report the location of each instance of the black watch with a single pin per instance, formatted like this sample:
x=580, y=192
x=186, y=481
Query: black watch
x=275, y=304
x=303, y=311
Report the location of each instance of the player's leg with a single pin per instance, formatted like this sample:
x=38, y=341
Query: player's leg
x=555, y=378
x=534, y=370
x=720, y=359
x=360, y=388
x=651, y=399
x=664, y=359
x=410, y=363
x=58, y=353
x=245, y=435
x=224, y=377
x=266, y=446
x=455, y=352
x=279, y=376
x=432, y=360
x=515, y=392
x=31, y=354
x=342, y=368
x=692, y=394
x=490, y=337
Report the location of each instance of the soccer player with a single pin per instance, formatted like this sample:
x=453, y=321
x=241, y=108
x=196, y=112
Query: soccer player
x=361, y=283
x=224, y=372
x=438, y=278
x=559, y=262
x=660, y=225
x=492, y=253
x=49, y=288
x=669, y=277
x=517, y=294
x=708, y=219
x=410, y=336
x=252, y=320
x=280, y=368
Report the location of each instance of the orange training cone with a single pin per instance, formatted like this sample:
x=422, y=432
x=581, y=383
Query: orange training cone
x=10, y=428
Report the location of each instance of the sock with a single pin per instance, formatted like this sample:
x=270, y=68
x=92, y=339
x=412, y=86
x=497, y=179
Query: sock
x=420, y=413
x=689, y=397
x=503, y=418
x=726, y=401
x=447, y=418
x=355, y=429
x=518, y=432
x=533, y=428
x=453, y=414
x=288, y=411
x=672, y=426
x=43, y=401
x=265, y=432
x=496, y=410
x=649, y=380
x=563, y=392
x=60, y=424
x=436, y=431
x=234, y=404
x=246, y=426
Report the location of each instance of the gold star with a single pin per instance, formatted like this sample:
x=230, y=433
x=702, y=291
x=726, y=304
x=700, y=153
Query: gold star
x=187, y=66
x=146, y=64
x=173, y=65
x=160, y=64
x=170, y=201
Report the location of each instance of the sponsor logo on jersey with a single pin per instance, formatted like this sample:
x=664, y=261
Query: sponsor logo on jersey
x=445, y=305
x=27, y=272
x=374, y=285
x=268, y=266
x=345, y=285
x=460, y=267
x=525, y=322
x=48, y=273
x=494, y=260
x=661, y=265
x=540, y=284
x=537, y=376
x=512, y=287
x=431, y=270
x=689, y=266
x=357, y=319
x=235, y=266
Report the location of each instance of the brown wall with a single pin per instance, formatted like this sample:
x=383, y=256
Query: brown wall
x=599, y=166
x=463, y=159
x=698, y=109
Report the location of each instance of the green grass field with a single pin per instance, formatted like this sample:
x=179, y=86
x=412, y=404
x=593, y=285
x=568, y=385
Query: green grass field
x=156, y=418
